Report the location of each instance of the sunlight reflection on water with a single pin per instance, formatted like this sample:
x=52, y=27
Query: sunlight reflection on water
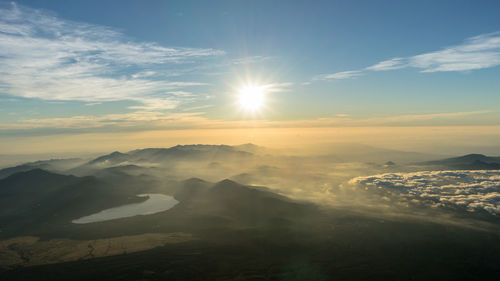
x=154, y=204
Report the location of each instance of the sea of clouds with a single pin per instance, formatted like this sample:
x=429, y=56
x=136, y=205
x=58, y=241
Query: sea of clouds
x=473, y=190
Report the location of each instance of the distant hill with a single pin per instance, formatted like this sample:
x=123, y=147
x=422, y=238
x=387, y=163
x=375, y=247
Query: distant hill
x=110, y=159
x=189, y=152
x=246, y=205
x=467, y=162
x=20, y=168
x=37, y=198
x=54, y=165
x=167, y=156
x=39, y=202
x=234, y=231
x=354, y=152
x=250, y=147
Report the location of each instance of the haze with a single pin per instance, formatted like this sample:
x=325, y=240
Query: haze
x=249, y=140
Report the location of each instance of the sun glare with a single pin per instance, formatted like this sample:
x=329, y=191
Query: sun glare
x=251, y=97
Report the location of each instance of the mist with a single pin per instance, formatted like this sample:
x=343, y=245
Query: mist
x=223, y=196
x=333, y=176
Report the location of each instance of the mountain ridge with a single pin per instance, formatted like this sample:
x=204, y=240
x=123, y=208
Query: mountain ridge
x=473, y=161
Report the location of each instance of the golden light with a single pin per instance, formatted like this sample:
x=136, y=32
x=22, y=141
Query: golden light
x=252, y=97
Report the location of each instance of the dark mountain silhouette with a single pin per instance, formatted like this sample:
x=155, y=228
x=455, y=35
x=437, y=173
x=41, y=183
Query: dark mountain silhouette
x=17, y=169
x=54, y=165
x=467, y=162
x=248, y=233
x=167, y=156
x=250, y=147
x=38, y=198
x=122, y=171
x=110, y=159
x=244, y=205
x=239, y=232
x=35, y=181
x=188, y=152
x=191, y=189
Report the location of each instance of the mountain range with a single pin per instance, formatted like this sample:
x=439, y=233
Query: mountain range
x=466, y=162
x=225, y=230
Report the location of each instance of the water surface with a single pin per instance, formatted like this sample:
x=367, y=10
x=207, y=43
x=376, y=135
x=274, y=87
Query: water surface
x=154, y=204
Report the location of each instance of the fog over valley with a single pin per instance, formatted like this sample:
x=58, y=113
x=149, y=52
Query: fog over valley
x=249, y=140
x=201, y=193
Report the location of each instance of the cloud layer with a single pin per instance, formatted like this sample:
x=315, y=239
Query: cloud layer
x=45, y=57
x=478, y=52
x=466, y=189
x=191, y=118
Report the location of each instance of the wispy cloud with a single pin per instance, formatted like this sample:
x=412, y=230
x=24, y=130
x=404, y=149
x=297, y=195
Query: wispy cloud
x=339, y=75
x=194, y=108
x=144, y=119
x=422, y=117
x=192, y=118
x=478, y=52
x=45, y=57
x=395, y=63
x=250, y=60
x=277, y=87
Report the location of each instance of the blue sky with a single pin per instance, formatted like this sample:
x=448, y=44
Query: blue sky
x=88, y=66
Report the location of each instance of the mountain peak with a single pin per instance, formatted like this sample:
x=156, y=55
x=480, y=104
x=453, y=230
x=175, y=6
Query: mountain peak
x=34, y=172
x=472, y=161
x=194, y=180
x=473, y=156
x=226, y=182
x=36, y=177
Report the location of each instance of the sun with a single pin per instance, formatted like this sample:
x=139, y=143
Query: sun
x=251, y=97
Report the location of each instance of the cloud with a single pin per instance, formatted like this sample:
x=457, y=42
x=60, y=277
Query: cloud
x=250, y=60
x=465, y=189
x=422, y=117
x=277, y=87
x=148, y=117
x=45, y=57
x=395, y=63
x=478, y=52
x=340, y=75
x=143, y=74
x=342, y=115
x=194, y=108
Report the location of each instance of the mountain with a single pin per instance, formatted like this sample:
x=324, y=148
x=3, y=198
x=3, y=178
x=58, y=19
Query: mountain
x=20, y=168
x=237, y=232
x=188, y=152
x=37, y=199
x=224, y=230
x=191, y=189
x=353, y=152
x=250, y=147
x=246, y=205
x=122, y=171
x=164, y=156
x=54, y=165
x=34, y=182
x=467, y=162
x=110, y=159
x=38, y=202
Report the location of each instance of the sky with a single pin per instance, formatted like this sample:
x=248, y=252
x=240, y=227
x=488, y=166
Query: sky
x=88, y=75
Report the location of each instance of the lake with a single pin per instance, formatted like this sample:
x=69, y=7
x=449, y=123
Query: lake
x=154, y=204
